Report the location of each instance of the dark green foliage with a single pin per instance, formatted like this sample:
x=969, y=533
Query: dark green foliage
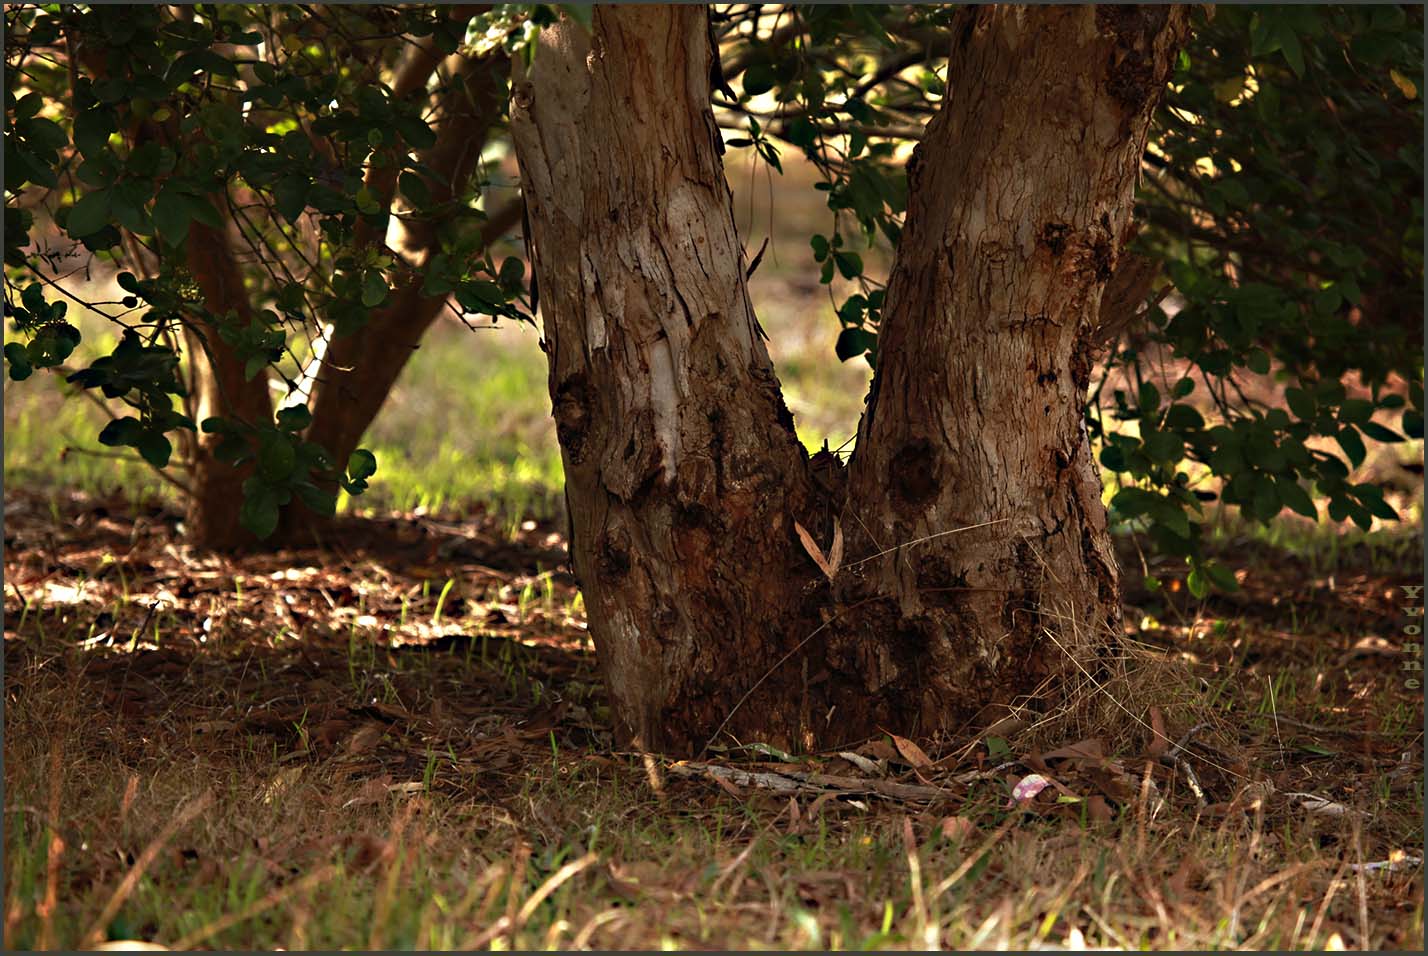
x=173, y=121
x=1282, y=200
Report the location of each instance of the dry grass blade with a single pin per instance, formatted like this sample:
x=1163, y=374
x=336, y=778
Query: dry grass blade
x=145, y=860
x=55, y=850
x=835, y=553
x=929, y=537
x=552, y=884
x=394, y=872
x=914, y=875
x=971, y=861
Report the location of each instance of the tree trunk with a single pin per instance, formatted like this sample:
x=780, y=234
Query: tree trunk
x=684, y=476
x=359, y=369
x=222, y=389
x=1020, y=200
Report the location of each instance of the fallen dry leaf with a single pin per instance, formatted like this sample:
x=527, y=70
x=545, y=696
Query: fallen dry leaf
x=861, y=762
x=1091, y=751
x=828, y=566
x=911, y=752
x=364, y=738
x=372, y=791
x=956, y=829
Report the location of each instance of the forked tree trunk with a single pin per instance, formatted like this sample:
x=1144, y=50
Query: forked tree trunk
x=684, y=476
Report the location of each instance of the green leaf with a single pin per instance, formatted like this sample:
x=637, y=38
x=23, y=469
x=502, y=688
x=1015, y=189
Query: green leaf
x=20, y=365
x=854, y=342
x=121, y=432
x=1133, y=502
x=1355, y=411
x=1352, y=445
x=1148, y=398
x=1293, y=54
x=1113, y=458
x=362, y=464
x=1371, y=496
x=1183, y=418
x=850, y=264
x=415, y=189
x=1379, y=433
x=90, y=214
x=1326, y=301
x=202, y=211
x=154, y=447
x=294, y=418
x=513, y=271
x=315, y=499
x=374, y=289
x=259, y=513
x=1296, y=498
x=366, y=202
x=276, y=458
x=92, y=129
x=1163, y=447
x=758, y=78
x=1221, y=576
x=1266, y=503
x=171, y=216
x=1300, y=403
x=1198, y=584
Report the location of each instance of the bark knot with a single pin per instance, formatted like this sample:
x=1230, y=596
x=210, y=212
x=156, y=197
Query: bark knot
x=913, y=474
x=572, y=415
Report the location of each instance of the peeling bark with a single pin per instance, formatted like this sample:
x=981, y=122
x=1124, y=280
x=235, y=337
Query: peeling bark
x=683, y=473
x=1020, y=201
x=1021, y=193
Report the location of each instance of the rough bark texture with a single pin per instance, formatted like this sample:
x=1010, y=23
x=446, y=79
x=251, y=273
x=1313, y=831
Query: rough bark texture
x=683, y=473
x=1021, y=195
x=217, y=487
x=684, y=477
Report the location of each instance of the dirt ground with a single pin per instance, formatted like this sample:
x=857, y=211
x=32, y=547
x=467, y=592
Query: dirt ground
x=1256, y=781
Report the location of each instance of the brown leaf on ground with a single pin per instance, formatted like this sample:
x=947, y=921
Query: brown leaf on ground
x=1099, y=810
x=956, y=829
x=878, y=749
x=911, y=753
x=374, y=790
x=371, y=851
x=362, y=739
x=1090, y=752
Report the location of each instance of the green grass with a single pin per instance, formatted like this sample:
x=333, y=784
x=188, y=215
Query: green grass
x=572, y=847
x=467, y=425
